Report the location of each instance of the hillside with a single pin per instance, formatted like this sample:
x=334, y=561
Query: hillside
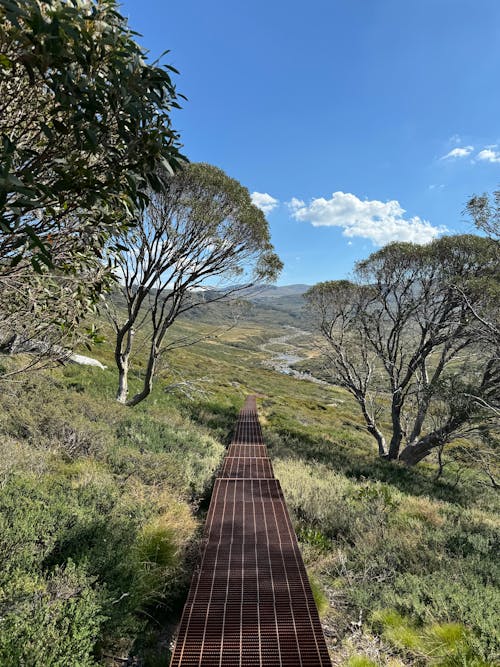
x=102, y=507
x=141, y=315
x=274, y=291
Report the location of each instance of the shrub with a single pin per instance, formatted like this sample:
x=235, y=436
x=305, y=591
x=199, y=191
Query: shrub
x=54, y=619
x=439, y=644
x=360, y=661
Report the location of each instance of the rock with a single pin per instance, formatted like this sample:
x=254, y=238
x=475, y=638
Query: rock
x=16, y=345
x=85, y=361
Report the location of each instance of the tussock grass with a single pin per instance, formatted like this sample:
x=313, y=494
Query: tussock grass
x=99, y=531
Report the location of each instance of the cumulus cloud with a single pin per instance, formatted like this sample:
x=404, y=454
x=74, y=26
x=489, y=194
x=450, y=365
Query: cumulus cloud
x=458, y=152
x=264, y=201
x=381, y=222
x=489, y=155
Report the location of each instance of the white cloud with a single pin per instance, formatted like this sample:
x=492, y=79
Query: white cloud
x=455, y=139
x=463, y=151
x=489, y=155
x=264, y=201
x=381, y=222
x=295, y=203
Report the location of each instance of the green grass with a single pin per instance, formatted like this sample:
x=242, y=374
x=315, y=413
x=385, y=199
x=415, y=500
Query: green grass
x=102, y=505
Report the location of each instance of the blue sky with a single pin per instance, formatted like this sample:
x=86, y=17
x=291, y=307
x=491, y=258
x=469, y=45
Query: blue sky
x=366, y=120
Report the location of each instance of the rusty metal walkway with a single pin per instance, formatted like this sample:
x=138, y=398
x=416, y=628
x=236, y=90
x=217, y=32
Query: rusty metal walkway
x=250, y=602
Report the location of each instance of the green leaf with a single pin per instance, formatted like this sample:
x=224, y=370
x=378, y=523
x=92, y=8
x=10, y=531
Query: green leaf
x=5, y=62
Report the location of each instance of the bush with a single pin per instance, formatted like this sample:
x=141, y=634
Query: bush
x=54, y=619
x=439, y=644
x=427, y=561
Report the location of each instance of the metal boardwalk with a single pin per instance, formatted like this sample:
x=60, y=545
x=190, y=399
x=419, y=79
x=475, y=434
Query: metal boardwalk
x=250, y=602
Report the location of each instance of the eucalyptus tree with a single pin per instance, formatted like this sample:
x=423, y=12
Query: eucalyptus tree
x=200, y=230
x=84, y=122
x=484, y=210
x=402, y=336
x=84, y=128
x=485, y=213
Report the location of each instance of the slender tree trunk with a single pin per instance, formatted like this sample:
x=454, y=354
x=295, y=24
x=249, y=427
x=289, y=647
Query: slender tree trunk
x=374, y=430
x=122, y=354
x=397, y=431
x=122, y=393
x=147, y=386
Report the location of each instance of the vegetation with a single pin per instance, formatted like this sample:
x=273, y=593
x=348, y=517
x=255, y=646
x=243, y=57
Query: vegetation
x=84, y=129
x=91, y=488
x=485, y=212
x=85, y=124
x=406, y=334
x=101, y=507
x=201, y=226
x=97, y=525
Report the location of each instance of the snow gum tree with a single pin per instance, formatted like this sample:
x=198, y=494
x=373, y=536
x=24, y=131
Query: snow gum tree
x=404, y=341
x=84, y=128
x=202, y=226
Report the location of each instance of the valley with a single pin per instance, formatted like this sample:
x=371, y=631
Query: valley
x=124, y=491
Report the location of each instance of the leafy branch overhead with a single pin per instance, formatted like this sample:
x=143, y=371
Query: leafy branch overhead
x=84, y=124
x=84, y=131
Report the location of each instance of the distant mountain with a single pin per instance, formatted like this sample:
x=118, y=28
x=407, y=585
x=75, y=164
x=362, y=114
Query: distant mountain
x=265, y=305
x=273, y=291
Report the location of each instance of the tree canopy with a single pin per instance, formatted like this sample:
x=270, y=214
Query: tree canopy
x=403, y=337
x=202, y=226
x=84, y=124
x=84, y=132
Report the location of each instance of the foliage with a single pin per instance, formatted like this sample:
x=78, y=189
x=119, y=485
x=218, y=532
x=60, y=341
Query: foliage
x=84, y=124
x=84, y=127
x=360, y=661
x=94, y=534
x=320, y=598
x=441, y=644
x=400, y=335
x=54, y=619
x=485, y=212
x=202, y=226
x=43, y=313
x=111, y=493
x=423, y=559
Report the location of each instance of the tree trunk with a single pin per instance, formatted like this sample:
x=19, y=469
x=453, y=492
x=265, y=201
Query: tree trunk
x=148, y=378
x=382, y=451
x=416, y=451
x=413, y=454
x=121, y=358
x=372, y=427
x=397, y=431
x=122, y=393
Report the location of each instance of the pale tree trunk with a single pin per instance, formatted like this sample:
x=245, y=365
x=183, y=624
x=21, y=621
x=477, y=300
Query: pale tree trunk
x=147, y=386
x=374, y=430
x=122, y=393
x=397, y=431
x=122, y=353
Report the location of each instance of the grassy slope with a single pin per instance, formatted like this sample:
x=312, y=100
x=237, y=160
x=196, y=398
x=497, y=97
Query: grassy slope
x=100, y=530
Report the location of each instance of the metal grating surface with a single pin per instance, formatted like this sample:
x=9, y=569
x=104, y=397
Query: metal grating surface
x=250, y=602
x=247, y=450
x=247, y=467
